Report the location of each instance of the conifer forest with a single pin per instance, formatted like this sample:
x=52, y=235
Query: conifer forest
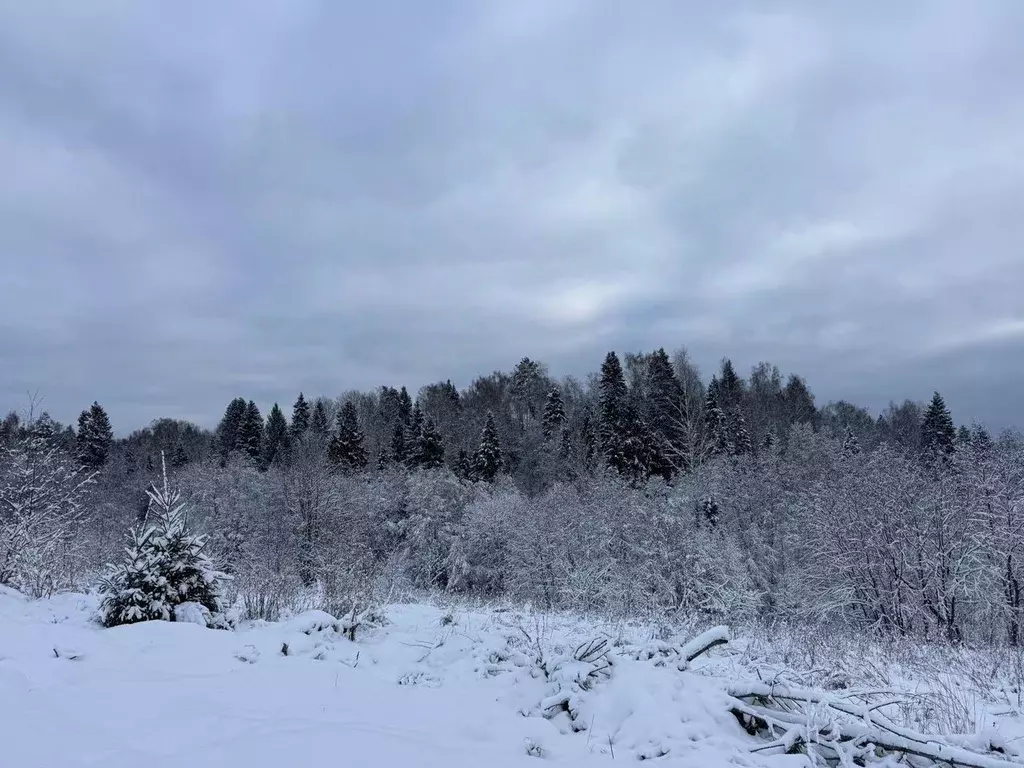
x=647, y=490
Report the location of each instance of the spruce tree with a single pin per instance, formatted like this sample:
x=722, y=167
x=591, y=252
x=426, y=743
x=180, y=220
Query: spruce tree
x=525, y=389
x=404, y=405
x=710, y=510
x=717, y=425
x=180, y=457
x=799, y=402
x=565, y=446
x=667, y=401
x=589, y=437
x=383, y=460
x=319, y=424
x=639, y=455
x=83, y=438
x=963, y=436
x=277, y=437
x=851, y=445
x=714, y=390
x=554, y=414
x=414, y=437
x=250, y=434
x=94, y=436
x=488, y=461
x=739, y=437
x=980, y=439
x=612, y=406
x=300, y=416
x=464, y=466
x=346, y=448
x=399, y=451
x=166, y=566
x=938, y=434
x=230, y=427
x=131, y=461
x=730, y=385
x=431, y=451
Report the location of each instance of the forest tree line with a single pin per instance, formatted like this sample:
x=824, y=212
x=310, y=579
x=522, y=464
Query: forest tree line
x=640, y=490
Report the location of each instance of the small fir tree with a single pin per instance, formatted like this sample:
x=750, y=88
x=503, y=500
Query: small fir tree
x=165, y=566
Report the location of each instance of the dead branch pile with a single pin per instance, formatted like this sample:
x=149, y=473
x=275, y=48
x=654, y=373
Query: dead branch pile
x=849, y=730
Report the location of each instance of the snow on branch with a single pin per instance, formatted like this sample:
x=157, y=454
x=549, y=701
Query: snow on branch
x=828, y=729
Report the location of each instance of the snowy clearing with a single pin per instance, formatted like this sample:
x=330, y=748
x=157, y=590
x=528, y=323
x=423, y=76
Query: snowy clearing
x=424, y=688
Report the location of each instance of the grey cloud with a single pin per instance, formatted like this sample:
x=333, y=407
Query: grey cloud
x=210, y=200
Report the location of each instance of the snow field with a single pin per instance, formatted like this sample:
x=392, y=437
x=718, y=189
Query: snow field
x=420, y=686
x=426, y=689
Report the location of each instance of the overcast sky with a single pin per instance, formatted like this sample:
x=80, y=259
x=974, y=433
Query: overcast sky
x=200, y=200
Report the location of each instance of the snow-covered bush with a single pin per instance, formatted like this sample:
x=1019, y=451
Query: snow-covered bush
x=165, y=567
x=42, y=491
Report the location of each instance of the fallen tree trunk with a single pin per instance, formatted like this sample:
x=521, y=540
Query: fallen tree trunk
x=854, y=734
x=704, y=642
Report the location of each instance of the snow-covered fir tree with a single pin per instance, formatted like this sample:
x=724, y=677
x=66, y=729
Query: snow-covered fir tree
x=464, y=466
x=414, y=437
x=277, y=439
x=165, y=567
x=230, y=427
x=851, y=446
x=94, y=436
x=346, y=448
x=431, y=449
x=399, y=451
x=300, y=417
x=938, y=434
x=250, y=432
x=612, y=420
x=319, y=424
x=489, y=460
x=739, y=437
x=554, y=414
x=180, y=456
x=717, y=425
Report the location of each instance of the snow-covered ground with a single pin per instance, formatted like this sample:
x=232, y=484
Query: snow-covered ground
x=427, y=688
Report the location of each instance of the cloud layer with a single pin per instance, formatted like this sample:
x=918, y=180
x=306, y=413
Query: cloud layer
x=205, y=200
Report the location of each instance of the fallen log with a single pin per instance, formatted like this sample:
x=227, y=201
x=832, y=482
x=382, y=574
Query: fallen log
x=704, y=642
x=852, y=734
